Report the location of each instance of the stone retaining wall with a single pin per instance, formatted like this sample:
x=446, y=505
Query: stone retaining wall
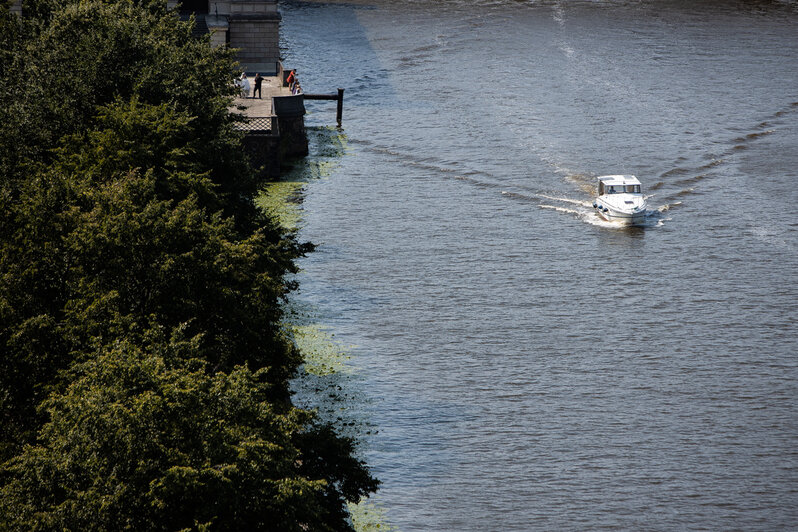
x=257, y=37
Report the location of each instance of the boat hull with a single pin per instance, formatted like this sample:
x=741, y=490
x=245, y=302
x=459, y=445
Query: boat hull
x=623, y=218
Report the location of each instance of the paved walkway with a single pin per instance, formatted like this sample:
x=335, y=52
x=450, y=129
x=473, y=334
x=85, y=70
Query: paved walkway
x=260, y=107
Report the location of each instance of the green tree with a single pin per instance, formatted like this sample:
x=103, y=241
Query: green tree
x=126, y=132
x=113, y=238
x=62, y=68
x=138, y=282
x=145, y=246
x=135, y=445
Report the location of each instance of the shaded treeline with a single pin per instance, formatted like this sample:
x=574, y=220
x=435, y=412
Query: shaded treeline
x=144, y=370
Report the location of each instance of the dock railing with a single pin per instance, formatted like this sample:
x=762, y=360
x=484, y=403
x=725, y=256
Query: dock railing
x=264, y=125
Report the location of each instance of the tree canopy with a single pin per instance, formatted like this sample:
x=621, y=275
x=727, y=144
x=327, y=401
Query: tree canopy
x=144, y=376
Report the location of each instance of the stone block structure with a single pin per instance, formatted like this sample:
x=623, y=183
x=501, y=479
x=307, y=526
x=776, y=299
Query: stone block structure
x=251, y=26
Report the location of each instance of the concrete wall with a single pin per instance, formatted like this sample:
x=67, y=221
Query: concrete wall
x=293, y=137
x=289, y=106
x=290, y=111
x=264, y=153
x=218, y=26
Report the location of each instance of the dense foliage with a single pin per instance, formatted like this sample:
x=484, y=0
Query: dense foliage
x=144, y=374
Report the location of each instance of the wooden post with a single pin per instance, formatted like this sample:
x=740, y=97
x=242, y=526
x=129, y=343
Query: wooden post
x=338, y=97
x=340, y=112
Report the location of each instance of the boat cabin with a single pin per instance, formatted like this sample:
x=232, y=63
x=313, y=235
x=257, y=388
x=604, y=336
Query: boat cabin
x=618, y=184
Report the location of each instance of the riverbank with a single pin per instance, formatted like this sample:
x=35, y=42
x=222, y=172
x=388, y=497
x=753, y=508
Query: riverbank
x=330, y=381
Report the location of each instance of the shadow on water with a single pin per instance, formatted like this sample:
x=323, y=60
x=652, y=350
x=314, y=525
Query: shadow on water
x=363, y=76
x=283, y=198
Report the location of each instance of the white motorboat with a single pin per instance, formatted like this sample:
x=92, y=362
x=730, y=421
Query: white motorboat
x=620, y=199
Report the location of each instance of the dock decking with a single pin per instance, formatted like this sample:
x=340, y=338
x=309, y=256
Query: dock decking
x=260, y=111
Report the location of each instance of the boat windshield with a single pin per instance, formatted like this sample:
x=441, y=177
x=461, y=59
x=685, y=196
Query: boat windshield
x=617, y=189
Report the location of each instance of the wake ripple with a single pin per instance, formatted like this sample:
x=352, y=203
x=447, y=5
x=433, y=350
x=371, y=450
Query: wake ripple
x=765, y=127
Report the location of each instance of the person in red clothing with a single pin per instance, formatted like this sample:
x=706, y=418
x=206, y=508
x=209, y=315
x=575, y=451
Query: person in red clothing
x=291, y=79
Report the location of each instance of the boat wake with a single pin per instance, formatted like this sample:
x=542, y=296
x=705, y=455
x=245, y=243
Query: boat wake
x=566, y=200
x=653, y=218
x=687, y=178
x=674, y=184
x=668, y=206
x=583, y=210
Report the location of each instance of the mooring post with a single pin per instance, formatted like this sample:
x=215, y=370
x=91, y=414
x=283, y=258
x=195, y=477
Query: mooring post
x=340, y=113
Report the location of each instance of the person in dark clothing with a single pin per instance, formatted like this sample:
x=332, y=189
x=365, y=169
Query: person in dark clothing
x=258, y=82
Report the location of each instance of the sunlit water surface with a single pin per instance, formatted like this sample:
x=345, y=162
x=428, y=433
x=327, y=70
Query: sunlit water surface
x=521, y=364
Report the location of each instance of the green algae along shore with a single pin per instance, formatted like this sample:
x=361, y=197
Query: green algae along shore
x=328, y=378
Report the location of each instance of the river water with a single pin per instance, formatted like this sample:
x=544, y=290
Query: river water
x=520, y=364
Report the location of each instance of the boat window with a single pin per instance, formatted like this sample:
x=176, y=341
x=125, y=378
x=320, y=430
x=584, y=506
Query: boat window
x=631, y=189
x=611, y=191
